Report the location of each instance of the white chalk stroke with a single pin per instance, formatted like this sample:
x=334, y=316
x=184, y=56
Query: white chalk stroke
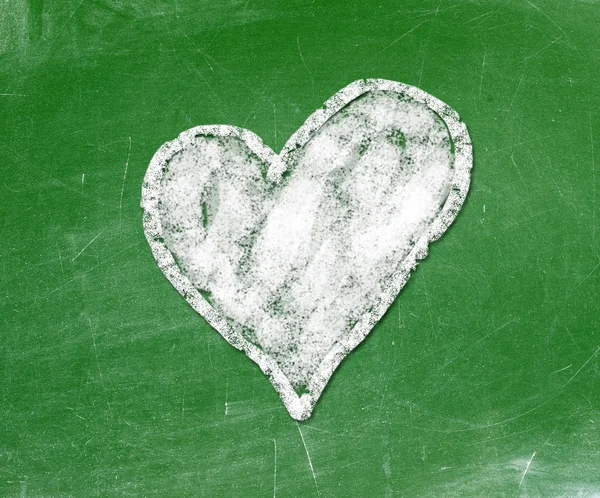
x=294, y=257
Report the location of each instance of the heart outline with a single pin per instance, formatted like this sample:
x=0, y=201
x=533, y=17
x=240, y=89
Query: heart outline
x=301, y=407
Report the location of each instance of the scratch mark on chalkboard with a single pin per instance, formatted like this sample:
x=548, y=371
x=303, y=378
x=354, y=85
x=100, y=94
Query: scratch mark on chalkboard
x=193, y=69
x=62, y=268
x=88, y=244
x=209, y=357
x=547, y=442
x=219, y=32
x=309, y=460
x=98, y=362
x=518, y=144
x=69, y=18
x=525, y=473
x=482, y=15
x=251, y=113
x=275, y=469
x=74, y=412
x=551, y=398
x=590, y=273
x=489, y=440
x=519, y=222
x=548, y=17
x=220, y=106
x=204, y=56
x=123, y=184
x=260, y=97
x=518, y=86
x=12, y=189
x=422, y=66
x=520, y=415
x=593, y=183
x=558, y=189
x=512, y=158
x=428, y=303
x=387, y=466
x=557, y=39
x=479, y=341
x=581, y=368
x=437, y=10
x=14, y=95
x=482, y=71
x=561, y=369
x=227, y=395
x=81, y=275
x=340, y=434
x=571, y=336
x=405, y=34
x=312, y=81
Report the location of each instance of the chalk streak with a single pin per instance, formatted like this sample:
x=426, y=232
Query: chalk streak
x=526, y=470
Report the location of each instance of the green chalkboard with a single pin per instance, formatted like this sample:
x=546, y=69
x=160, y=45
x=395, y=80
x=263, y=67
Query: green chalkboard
x=482, y=379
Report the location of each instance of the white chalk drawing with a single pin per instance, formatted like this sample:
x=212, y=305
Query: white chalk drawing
x=294, y=257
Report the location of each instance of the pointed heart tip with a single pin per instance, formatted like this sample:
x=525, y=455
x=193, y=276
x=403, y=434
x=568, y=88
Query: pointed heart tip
x=300, y=408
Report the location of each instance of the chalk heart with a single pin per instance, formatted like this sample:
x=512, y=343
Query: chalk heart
x=294, y=257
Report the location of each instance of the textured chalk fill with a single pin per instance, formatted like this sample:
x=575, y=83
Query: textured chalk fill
x=293, y=265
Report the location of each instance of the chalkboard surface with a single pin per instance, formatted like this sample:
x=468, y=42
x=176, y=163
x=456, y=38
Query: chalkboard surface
x=481, y=380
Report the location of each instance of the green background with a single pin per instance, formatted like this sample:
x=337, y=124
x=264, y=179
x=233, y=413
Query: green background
x=482, y=379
